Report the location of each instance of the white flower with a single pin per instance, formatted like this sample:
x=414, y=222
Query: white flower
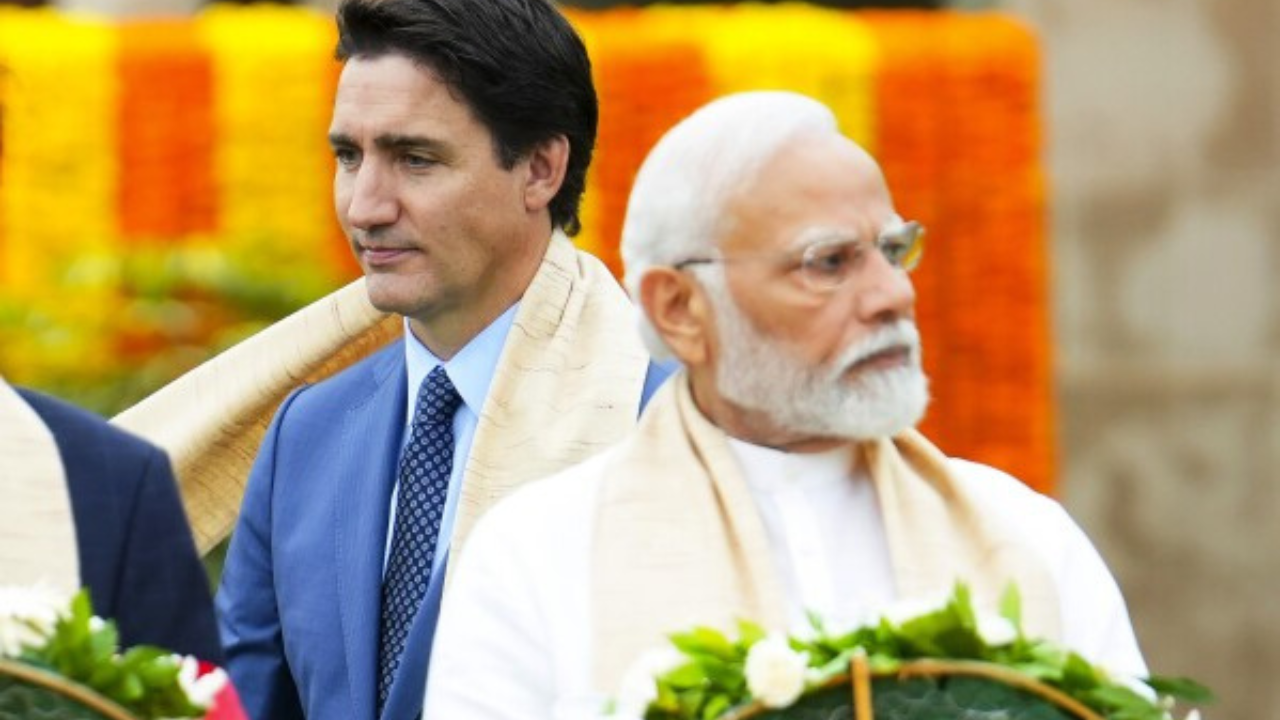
x=27, y=616
x=775, y=672
x=201, y=690
x=1193, y=715
x=996, y=630
x=639, y=686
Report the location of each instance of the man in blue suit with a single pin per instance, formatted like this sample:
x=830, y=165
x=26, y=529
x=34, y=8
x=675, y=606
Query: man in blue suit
x=462, y=132
x=136, y=555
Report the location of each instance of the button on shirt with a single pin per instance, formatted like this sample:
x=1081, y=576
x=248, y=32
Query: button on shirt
x=824, y=525
x=471, y=371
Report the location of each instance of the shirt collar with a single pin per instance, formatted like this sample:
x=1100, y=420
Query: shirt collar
x=470, y=370
x=770, y=470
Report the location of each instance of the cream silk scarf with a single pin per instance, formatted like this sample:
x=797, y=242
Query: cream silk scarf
x=37, y=527
x=568, y=383
x=678, y=540
x=211, y=420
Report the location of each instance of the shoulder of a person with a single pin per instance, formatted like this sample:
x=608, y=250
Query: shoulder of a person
x=569, y=488
x=559, y=502
x=78, y=430
x=999, y=490
x=338, y=390
x=1040, y=520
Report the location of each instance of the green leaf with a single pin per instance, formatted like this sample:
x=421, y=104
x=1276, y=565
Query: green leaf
x=128, y=689
x=749, y=633
x=1118, y=697
x=1044, y=672
x=103, y=676
x=691, y=702
x=704, y=641
x=85, y=649
x=716, y=707
x=81, y=609
x=1011, y=606
x=667, y=699
x=689, y=675
x=816, y=623
x=103, y=643
x=961, y=606
x=726, y=675
x=883, y=663
x=1181, y=688
x=1078, y=675
x=713, y=681
x=159, y=673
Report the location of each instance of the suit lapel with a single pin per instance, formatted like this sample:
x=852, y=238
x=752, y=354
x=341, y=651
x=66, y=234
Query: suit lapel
x=366, y=463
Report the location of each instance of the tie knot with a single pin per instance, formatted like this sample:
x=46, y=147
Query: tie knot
x=438, y=399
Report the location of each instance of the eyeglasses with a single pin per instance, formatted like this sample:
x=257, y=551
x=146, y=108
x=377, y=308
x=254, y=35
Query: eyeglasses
x=828, y=262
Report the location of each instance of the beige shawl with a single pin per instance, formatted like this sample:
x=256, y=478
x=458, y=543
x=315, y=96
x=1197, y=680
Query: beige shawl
x=679, y=541
x=568, y=383
x=211, y=420
x=37, y=528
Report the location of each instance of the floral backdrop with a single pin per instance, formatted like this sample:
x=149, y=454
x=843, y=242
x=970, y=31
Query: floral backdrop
x=164, y=185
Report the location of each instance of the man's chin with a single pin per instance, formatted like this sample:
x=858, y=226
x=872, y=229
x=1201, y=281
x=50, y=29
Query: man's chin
x=891, y=403
x=391, y=295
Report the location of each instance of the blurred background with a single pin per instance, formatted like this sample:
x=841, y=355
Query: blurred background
x=1101, y=179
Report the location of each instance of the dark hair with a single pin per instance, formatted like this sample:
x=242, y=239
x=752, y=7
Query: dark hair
x=517, y=64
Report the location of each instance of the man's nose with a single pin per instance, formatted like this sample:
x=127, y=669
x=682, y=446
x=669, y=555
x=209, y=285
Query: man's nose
x=373, y=201
x=884, y=291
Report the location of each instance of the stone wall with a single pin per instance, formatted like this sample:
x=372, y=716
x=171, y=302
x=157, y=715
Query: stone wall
x=1164, y=153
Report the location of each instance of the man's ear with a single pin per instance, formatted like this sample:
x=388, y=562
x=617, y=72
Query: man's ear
x=678, y=310
x=548, y=162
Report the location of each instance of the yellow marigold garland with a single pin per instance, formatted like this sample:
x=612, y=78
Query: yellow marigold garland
x=274, y=76
x=228, y=167
x=57, y=188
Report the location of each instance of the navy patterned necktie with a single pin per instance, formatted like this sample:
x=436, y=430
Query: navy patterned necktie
x=425, y=467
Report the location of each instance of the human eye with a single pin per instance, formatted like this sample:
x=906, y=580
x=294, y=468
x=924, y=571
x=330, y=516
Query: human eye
x=894, y=248
x=903, y=247
x=830, y=260
x=348, y=157
x=417, y=161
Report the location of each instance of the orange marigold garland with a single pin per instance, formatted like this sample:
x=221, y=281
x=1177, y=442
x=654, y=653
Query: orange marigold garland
x=273, y=73
x=645, y=83
x=167, y=137
x=994, y=386
x=229, y=164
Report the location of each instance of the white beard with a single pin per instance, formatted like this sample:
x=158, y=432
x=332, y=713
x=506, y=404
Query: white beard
x=756, y=373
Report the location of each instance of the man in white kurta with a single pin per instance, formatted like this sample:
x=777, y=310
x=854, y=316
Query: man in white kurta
x=778, y=473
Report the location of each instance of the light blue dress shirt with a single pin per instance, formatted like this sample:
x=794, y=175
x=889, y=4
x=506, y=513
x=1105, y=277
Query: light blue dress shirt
x=471, y=372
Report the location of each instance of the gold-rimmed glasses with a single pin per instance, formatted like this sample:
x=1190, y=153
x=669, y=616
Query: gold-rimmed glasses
x=828, y=260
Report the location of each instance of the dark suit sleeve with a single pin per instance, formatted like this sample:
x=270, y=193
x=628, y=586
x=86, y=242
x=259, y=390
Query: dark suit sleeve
x=248, y=616
x=136, y=554
x=163, y=594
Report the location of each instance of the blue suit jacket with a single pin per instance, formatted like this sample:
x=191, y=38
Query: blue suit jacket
x=136, y=553
x=301, y=592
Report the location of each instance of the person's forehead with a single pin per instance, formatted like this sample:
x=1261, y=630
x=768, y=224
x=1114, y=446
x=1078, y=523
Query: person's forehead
x=814, y=183
x=384, y=78
x=394, y=94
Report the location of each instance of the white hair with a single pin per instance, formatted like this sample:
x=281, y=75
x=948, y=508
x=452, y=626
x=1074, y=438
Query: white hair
x=677, y=205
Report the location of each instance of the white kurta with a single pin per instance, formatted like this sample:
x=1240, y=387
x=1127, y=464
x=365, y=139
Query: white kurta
x=514, y=639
